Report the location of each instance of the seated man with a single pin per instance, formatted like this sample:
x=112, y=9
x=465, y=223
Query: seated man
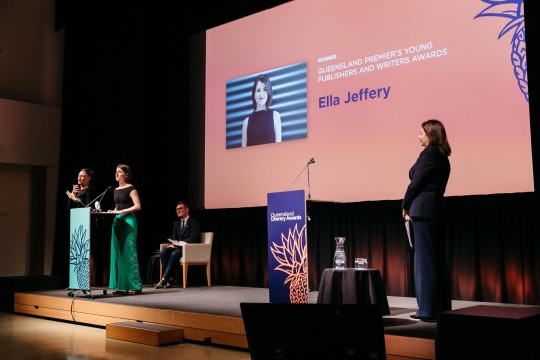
x=186, y=229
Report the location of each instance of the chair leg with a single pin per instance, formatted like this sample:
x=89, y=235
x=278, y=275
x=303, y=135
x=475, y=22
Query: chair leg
x=184, y=274
x=160, y=271
x=208, y=273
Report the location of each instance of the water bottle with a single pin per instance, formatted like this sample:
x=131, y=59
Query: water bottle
x=340, y=260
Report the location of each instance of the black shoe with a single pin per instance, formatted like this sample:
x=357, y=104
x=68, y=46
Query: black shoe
x=161, y=284
x=120, y=292
x=424, y=319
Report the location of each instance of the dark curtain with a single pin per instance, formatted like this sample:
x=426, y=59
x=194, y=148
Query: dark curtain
x=126, y=100
x=492, y=243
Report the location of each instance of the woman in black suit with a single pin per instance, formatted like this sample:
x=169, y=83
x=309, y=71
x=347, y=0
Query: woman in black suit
x=423, y=206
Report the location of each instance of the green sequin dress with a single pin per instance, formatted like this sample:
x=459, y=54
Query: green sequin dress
x=124, y=274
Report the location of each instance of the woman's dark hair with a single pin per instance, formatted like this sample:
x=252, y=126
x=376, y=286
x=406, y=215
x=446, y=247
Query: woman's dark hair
x=125, y=169
x=437, y=135
x=90, y=174
x=266, y=81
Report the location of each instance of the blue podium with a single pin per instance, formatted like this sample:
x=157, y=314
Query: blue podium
x=89, y=250
x=287, y=247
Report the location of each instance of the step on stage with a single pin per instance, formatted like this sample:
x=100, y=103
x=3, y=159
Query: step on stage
x=212, y=314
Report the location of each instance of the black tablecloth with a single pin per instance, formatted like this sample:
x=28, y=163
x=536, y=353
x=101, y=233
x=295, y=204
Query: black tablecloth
x=351, y=286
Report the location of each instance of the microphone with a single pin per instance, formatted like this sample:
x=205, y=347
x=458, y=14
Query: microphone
x=311, y=161
x=100, y=197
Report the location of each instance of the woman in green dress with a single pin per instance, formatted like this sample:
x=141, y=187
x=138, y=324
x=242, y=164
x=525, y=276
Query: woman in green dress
x=124, y=275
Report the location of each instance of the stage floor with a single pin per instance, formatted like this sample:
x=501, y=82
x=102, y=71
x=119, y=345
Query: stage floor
x=212, y=314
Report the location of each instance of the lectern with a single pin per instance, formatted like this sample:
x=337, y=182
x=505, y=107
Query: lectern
x=89, y=250
x=287, y=247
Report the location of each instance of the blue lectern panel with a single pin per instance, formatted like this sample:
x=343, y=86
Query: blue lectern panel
x=287, y=247
x=79, y=249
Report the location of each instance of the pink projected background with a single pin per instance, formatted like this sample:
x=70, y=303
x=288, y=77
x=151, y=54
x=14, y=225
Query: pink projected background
x=434, y=59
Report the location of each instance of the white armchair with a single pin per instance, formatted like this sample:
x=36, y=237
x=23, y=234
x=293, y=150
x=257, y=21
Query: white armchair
x=194, y=254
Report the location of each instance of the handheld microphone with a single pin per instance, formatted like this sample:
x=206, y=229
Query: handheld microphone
x=311, y=161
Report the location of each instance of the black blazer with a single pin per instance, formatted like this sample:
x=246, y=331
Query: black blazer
x=429, y=176
x=190, y=234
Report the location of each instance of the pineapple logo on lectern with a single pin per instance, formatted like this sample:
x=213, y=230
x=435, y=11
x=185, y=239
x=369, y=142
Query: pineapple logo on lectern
x=79, y=250
x=512, y=10
x=291, y=256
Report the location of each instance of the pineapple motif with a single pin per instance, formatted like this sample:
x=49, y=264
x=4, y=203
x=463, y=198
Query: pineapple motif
x=79, y=250
x=514, y=11
x=291, y=256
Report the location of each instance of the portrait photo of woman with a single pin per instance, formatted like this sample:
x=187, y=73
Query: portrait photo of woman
x=263, y=126
x=267, y=107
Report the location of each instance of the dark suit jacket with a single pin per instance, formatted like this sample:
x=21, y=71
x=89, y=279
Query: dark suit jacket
x=192, y=232
x=429, y=176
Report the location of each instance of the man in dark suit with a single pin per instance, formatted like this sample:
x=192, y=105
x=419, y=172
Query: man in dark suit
x=186, y=229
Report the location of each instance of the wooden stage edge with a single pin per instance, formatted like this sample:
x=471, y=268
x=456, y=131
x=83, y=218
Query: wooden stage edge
x=214, y=329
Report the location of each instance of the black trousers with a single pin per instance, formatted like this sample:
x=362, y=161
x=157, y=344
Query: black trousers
x=431, y=272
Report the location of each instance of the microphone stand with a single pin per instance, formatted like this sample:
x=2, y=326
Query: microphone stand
x=311, y=161
x=97, y=204
x=308, y=185
x=100, y=197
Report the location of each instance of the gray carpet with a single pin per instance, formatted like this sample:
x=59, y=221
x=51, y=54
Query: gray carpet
x=225, y=301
